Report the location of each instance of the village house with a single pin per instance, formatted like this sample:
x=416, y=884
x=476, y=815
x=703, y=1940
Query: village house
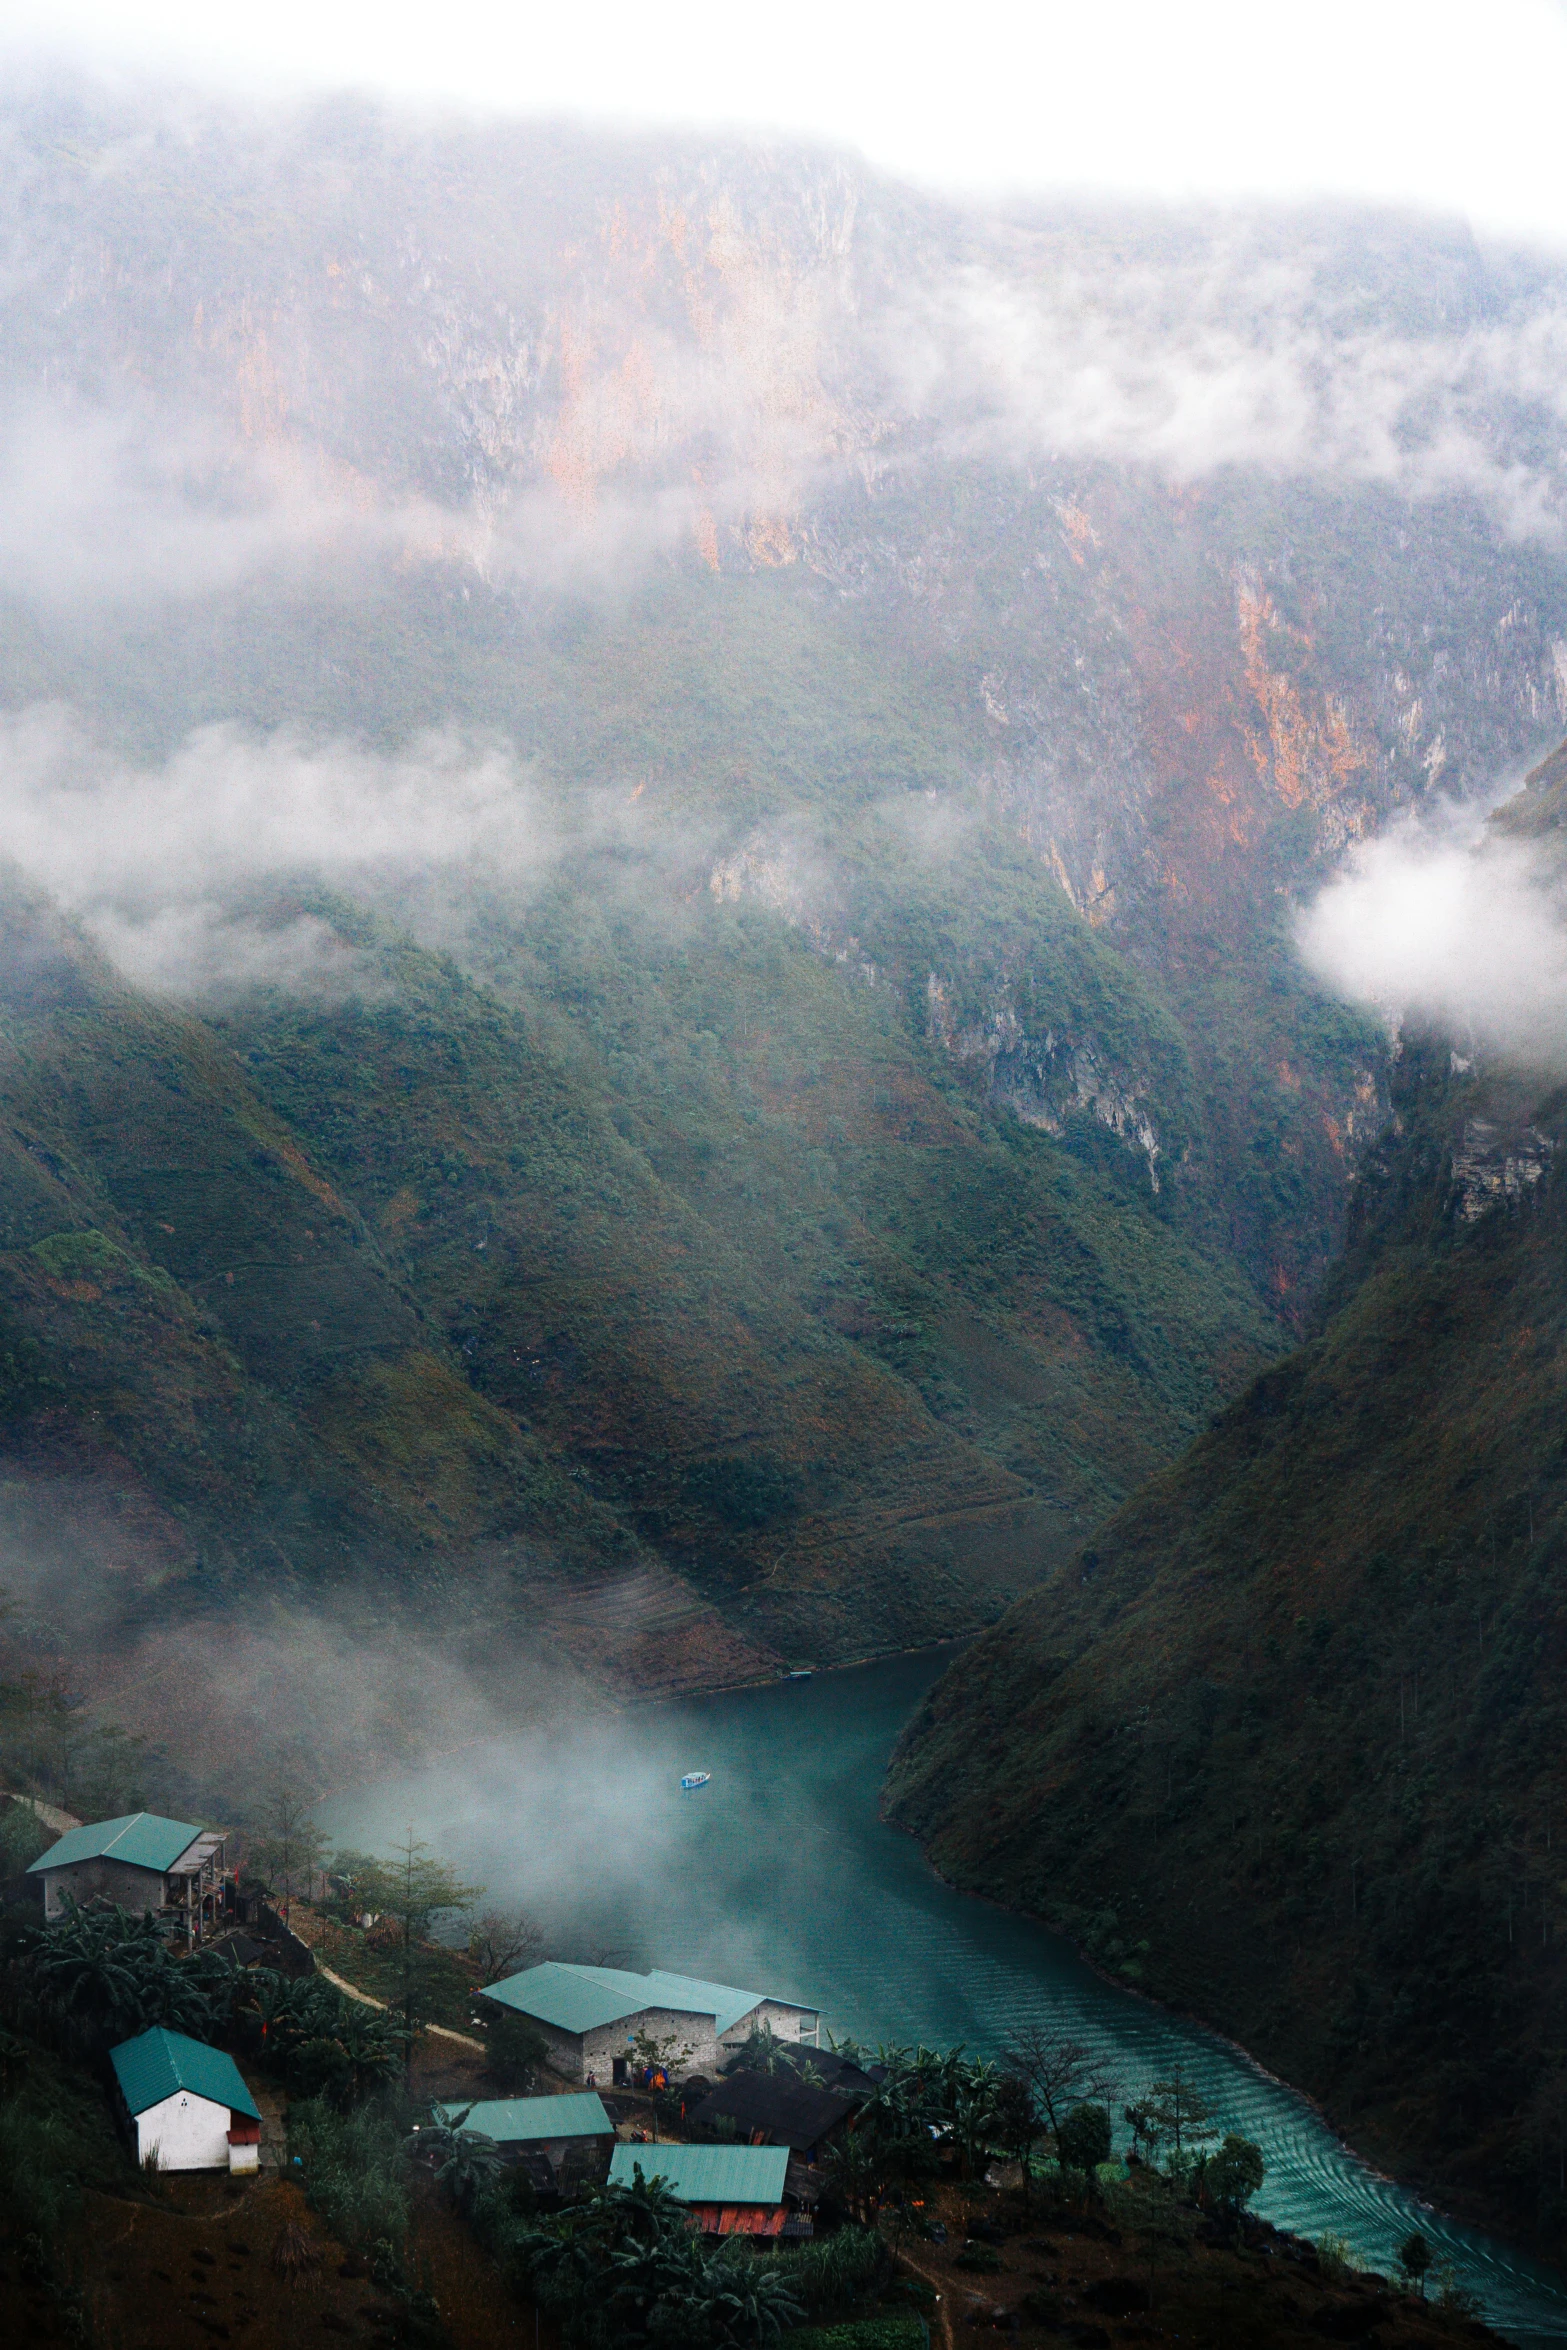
x=591, y=2017
x=568, y=2132
x=729, y=2190
x=141, y=1862
x=775, y=2109
x=185, y=2105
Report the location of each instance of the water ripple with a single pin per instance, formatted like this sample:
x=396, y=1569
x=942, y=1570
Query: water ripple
x=781, y=1874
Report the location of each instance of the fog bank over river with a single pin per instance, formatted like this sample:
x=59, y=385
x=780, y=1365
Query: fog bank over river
x=780, y=1875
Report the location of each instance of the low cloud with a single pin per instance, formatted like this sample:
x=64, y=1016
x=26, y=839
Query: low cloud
x=195, y=873
x=553, y=395
x=164, y=863
x=1447, y=926
x=99, y=504
x=1233, y=361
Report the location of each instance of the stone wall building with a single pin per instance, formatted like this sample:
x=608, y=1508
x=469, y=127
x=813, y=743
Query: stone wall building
x=591, y=2017
x=141, y=1862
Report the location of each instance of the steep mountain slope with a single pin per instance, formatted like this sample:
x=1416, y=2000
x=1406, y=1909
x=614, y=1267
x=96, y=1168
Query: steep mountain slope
x=1283, y=1743
x=776, y=487
x=410, y=1284
x=800, y=1093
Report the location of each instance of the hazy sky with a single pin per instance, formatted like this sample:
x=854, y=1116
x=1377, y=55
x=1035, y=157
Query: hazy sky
x=1451, y=103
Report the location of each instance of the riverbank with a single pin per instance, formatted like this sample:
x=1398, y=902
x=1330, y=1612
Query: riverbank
x=1392, y=2175
x=1006, y=2264
x=1379, y=2153
x=751, y=1880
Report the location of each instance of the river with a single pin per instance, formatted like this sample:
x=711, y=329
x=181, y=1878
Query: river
x=781, y=1875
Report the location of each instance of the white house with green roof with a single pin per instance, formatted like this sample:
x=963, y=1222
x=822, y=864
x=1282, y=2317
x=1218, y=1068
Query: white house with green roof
x=186, y=2105
x=140, y=1861
x=592, y=2017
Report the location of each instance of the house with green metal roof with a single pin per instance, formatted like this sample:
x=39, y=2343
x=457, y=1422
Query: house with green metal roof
x=185, y=2104
x=140, y=1861
x=564, y=2130
x=731, y=2190
x=597, y=2021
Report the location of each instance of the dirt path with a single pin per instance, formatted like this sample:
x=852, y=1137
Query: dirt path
x=437, y=2031
x=943, y=2310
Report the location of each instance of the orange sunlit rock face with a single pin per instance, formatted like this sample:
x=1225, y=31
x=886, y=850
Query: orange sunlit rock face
x=1309, y=752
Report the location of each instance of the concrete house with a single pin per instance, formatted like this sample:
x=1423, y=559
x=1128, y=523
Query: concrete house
x=564, y=2130
x=186, y=2105
x=589, y=2017
x=730, y=2190
x=141, y=1862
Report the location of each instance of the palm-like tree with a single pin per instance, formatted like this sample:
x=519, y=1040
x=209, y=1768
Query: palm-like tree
x=465, y=2162
x=749, y=2300
x=104, y=1975
x=281, y=2019
x=974, y=2118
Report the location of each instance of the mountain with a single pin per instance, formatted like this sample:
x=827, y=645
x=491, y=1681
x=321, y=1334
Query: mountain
x=657, y=791
x=1283, y=1743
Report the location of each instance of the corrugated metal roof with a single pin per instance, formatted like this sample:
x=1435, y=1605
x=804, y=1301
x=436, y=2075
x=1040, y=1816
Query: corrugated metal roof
x=740, y=2219
x=582, y=1998
x=706, y=2174
x=520, y=2121
x=209, y=1843
x=139, y=1838
x=157, y=2063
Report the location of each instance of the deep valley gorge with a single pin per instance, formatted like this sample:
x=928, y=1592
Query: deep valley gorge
x=664, y=809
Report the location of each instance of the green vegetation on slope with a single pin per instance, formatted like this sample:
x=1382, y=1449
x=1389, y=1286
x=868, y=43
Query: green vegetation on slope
x=675, y=1241
x=1291, y=1725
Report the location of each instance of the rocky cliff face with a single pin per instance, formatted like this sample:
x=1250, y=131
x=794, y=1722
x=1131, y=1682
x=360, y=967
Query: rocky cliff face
x=857, y=690
x=1280, y=1743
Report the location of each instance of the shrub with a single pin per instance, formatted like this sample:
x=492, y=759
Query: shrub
x=831, y=2272
x=319, y=2068
x=516, y=2050
x=353, y=2176
x=1084, y=2138
x=863, y=2333
x=1454, y=2299
x=37, y=2176
x=23, y=1837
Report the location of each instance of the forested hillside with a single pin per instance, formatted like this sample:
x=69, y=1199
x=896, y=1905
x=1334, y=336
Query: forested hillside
x=650, y=991
x=1284, y=1741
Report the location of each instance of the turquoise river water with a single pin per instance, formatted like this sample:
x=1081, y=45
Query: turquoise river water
x=781, y=1875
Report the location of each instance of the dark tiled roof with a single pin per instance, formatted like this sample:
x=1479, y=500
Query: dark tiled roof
x=788, y=2111
x=834, y=2071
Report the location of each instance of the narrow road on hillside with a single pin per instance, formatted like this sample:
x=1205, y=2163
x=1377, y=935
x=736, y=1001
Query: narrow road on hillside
x=439, y=2031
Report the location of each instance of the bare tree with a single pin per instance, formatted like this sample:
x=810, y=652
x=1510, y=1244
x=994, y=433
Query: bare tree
x=504, y=1942
x=1061, y=2072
